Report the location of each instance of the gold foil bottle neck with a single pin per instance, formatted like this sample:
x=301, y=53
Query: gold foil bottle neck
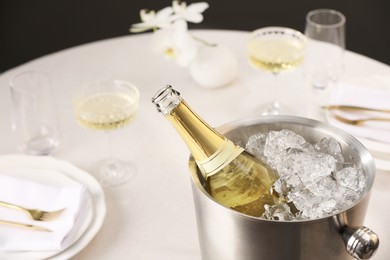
x=211, y=150
x=227, y=153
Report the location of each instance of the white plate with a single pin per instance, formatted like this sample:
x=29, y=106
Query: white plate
x=380, y=150
x=49, y=177
x=382, y=164
x=62, y=171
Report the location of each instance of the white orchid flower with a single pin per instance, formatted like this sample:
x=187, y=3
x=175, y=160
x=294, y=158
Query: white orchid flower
x=191, y=13
x=152, y=20
x=172, y=40
x=175, y=43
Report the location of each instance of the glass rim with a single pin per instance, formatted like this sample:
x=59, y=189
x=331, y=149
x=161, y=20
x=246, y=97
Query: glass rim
x=12, y=80
x=80, y=91
x=280, y=28
x=327, y=11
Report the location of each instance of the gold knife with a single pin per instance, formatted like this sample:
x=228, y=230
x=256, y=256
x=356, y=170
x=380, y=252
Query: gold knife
x=23, y=225
x=347, y=107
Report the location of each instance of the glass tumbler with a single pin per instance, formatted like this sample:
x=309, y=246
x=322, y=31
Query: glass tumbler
x=324, y=58
x=34, y=113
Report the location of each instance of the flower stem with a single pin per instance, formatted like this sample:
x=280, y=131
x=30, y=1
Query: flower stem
x=205, y=42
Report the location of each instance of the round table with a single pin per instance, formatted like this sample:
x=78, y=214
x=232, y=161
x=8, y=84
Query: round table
x=153, y=216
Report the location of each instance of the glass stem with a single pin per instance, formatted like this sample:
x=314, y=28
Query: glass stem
x=109, y=147
x=275, y=102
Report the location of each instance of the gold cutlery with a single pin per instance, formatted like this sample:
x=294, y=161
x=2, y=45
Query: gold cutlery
x=23, y=225
x=356, y=108
x=34, y=214
x=360, y=121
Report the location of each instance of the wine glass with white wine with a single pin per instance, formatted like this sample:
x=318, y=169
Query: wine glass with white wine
x=275, y=49
x=108, y=105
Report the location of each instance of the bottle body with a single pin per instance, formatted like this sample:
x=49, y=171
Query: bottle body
x=245, y=185
x=233, y=177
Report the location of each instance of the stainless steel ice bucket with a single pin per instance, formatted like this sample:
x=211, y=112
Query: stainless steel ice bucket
x=226, y=234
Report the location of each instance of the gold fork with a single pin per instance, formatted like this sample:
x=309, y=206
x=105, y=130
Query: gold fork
x=35, y=214
x=23, y=225
x=356, y=108
x=360, y=121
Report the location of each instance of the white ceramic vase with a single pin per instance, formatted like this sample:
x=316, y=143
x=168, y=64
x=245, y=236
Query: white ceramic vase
x=213, y=66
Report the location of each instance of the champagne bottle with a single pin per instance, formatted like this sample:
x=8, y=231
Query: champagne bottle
x=233, y=177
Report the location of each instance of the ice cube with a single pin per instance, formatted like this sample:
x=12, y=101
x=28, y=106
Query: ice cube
x=324, y=187
x=328, y=206
x=315, y=178
x=279, y=186
x=255, y=145
x=278, y=143
x=350, y=178
x=293, y=181
x=289, y=165
x=317, y=165
x=281, y=140
x=280, y=212
x=303, y=199
x=307, y=166
x=330, y=146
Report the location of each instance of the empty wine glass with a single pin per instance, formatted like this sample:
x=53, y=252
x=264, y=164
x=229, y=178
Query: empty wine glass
x=105, y=106
x=324, y=59
x=275, y=49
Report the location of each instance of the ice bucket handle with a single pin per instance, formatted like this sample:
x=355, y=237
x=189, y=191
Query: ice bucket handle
x=360, y=242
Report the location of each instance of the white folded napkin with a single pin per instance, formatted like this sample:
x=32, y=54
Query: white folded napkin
x=355, y=95
x=32, y=194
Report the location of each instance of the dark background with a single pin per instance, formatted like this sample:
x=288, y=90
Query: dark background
x=32, y=28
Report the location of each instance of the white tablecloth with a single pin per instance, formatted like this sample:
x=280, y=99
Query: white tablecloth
x=153, y=216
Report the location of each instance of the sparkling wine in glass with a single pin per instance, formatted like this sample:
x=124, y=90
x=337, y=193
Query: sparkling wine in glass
x=275, y=49
x=108, y=105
